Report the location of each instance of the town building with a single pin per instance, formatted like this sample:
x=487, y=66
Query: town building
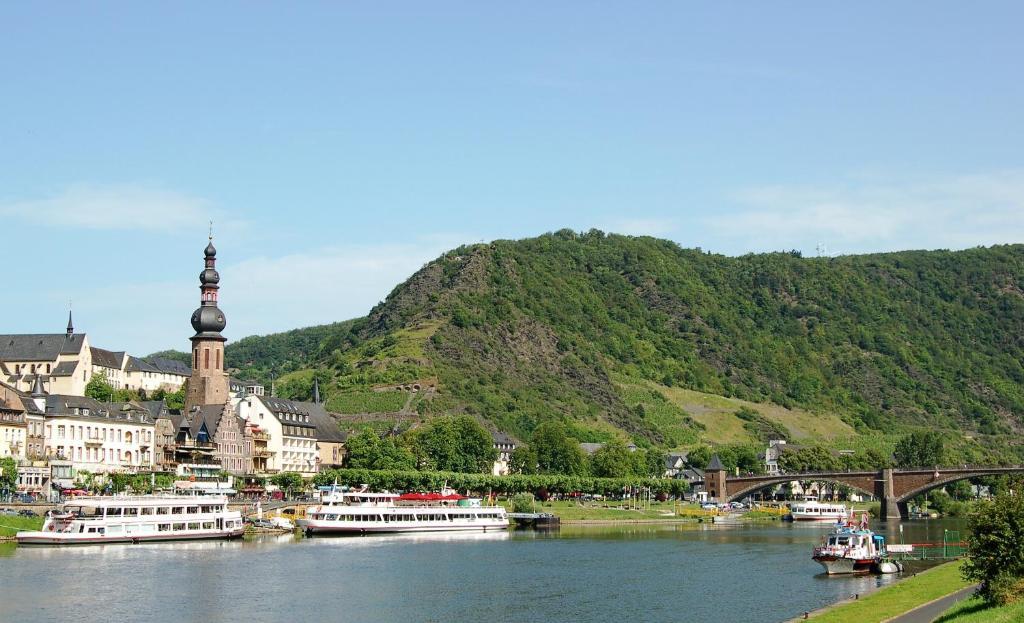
x=98, y=437
x=63, y=359
x=13, y=423
x=156, y=373
x=505, y=445
x=292, y=443
x=330, y=439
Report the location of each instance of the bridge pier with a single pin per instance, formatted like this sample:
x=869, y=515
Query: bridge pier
x=892, y=509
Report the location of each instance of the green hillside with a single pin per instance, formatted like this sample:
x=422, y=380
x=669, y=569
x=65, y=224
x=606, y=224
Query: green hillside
x=615, y=334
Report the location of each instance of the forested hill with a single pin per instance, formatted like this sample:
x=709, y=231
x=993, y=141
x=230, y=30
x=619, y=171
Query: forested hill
x=611, y=332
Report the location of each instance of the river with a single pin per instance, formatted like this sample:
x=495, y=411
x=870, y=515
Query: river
x=680, y=572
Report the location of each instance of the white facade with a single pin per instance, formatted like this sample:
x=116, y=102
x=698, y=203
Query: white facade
x=292, y=442
x=99, y=447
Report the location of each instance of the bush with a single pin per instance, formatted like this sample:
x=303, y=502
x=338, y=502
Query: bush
x=996, y=547
x=522, y=503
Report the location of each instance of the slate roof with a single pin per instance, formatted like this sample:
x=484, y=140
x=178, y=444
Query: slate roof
x=284, y=409
x=61, y=404
x=715, y=465
x=106, y=358
x=65, y=368
x=39, y=346
x=194, y=420
x=170, y=366
x=326, y=426
x=156, y=408
x=138, y=365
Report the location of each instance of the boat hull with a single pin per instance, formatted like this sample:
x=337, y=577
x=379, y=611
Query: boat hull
x=313, y=526
x=59, y=539
x=844, y=566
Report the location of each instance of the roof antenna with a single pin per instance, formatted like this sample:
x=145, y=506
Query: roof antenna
x=211, y=229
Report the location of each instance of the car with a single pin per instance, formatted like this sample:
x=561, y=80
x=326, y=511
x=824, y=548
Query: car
x=260, y=523
x=709, y=506
x=8, y=511
x=28, y=512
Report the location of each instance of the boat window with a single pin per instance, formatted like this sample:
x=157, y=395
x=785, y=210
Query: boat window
x=193, y=510
x=179, y=526
x=178, y=510
x=193, y=525
x=163, y=510
x=164, y=527
x=113, y=512
x=331, y=518
x=148, y=510
x=131, y=512
x=207, y=525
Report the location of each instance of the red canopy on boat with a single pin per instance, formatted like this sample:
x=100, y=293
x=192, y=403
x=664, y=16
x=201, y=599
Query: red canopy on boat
x=428, y=497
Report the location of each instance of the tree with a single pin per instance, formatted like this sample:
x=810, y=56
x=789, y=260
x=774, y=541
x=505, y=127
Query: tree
x=613, y=460
x=808, y=459
x=99, y=388
x=557, y=452
x=996, y=547
x=920, y=449
x=454, y=444
x=288, y=481
x=523, y=460
x=8, y=475
x=366, y=450
x=523, y=503
x=699, y=457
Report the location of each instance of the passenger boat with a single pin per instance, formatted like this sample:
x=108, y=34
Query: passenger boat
x=134, y=519
x=361, y=512
x=850, y=549
x=815, y=511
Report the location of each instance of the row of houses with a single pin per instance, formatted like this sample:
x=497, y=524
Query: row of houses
x=66, y=362
x=58, y=437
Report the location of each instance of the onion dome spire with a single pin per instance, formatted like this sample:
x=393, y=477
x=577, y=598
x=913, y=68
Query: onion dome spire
x=208, y=320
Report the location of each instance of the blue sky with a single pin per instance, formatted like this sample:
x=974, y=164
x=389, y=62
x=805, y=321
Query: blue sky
x=339, y=146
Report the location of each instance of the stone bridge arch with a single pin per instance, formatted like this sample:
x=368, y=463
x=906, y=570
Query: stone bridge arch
x=739, y=487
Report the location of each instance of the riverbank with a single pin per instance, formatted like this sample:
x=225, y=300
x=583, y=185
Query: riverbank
x=974, y=610
x=10, y=525
x=900, y=598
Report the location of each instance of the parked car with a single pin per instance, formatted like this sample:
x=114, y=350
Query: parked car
x=260, y=523
x=28, y=512
x=8, y=511
x=709, y=506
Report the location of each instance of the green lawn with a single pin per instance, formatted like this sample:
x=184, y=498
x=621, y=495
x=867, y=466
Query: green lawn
x=603, y=511
x=899, y=598
x=974, y=610
x=11, y=524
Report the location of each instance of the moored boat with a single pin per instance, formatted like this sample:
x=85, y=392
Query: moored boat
x=850, y=549
x=361, y=512
x=134, y=519
x=815, y=511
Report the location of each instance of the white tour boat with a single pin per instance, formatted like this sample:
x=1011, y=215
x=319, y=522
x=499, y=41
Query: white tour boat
x=360, y=512
x=850, y=549
x=815, y=511
x=133, y=519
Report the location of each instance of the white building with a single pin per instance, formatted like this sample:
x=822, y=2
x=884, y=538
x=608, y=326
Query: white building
x=505, y=446
x=291, y=429
x=63, y=359
x=97, y=437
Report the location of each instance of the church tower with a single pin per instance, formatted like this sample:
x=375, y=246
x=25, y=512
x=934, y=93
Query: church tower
x=208, y=384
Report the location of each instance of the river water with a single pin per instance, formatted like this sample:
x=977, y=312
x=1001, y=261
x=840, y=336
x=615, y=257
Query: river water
x=689, y=572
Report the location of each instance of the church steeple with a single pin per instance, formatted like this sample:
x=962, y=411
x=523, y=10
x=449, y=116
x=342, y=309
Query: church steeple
x=208, y=384
x=71, y=326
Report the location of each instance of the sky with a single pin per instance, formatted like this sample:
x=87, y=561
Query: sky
x=337, y=147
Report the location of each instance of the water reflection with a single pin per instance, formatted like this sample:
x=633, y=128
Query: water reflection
x=675, y=572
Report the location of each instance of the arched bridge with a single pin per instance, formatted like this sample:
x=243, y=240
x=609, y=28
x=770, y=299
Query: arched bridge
x=893, y=487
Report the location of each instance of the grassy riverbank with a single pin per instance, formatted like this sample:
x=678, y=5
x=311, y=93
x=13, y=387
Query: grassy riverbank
x=975, y=610
x=898, y=598
x=11, y=524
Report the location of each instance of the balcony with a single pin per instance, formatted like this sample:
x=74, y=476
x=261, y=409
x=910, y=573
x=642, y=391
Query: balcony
x=94, y=441
x=196, y=445
x=261, y=436
x=262, y=453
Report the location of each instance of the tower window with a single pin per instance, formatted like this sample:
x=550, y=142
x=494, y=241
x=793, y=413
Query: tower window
x=218, y=359
x=206, y=358
x=195, y=359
